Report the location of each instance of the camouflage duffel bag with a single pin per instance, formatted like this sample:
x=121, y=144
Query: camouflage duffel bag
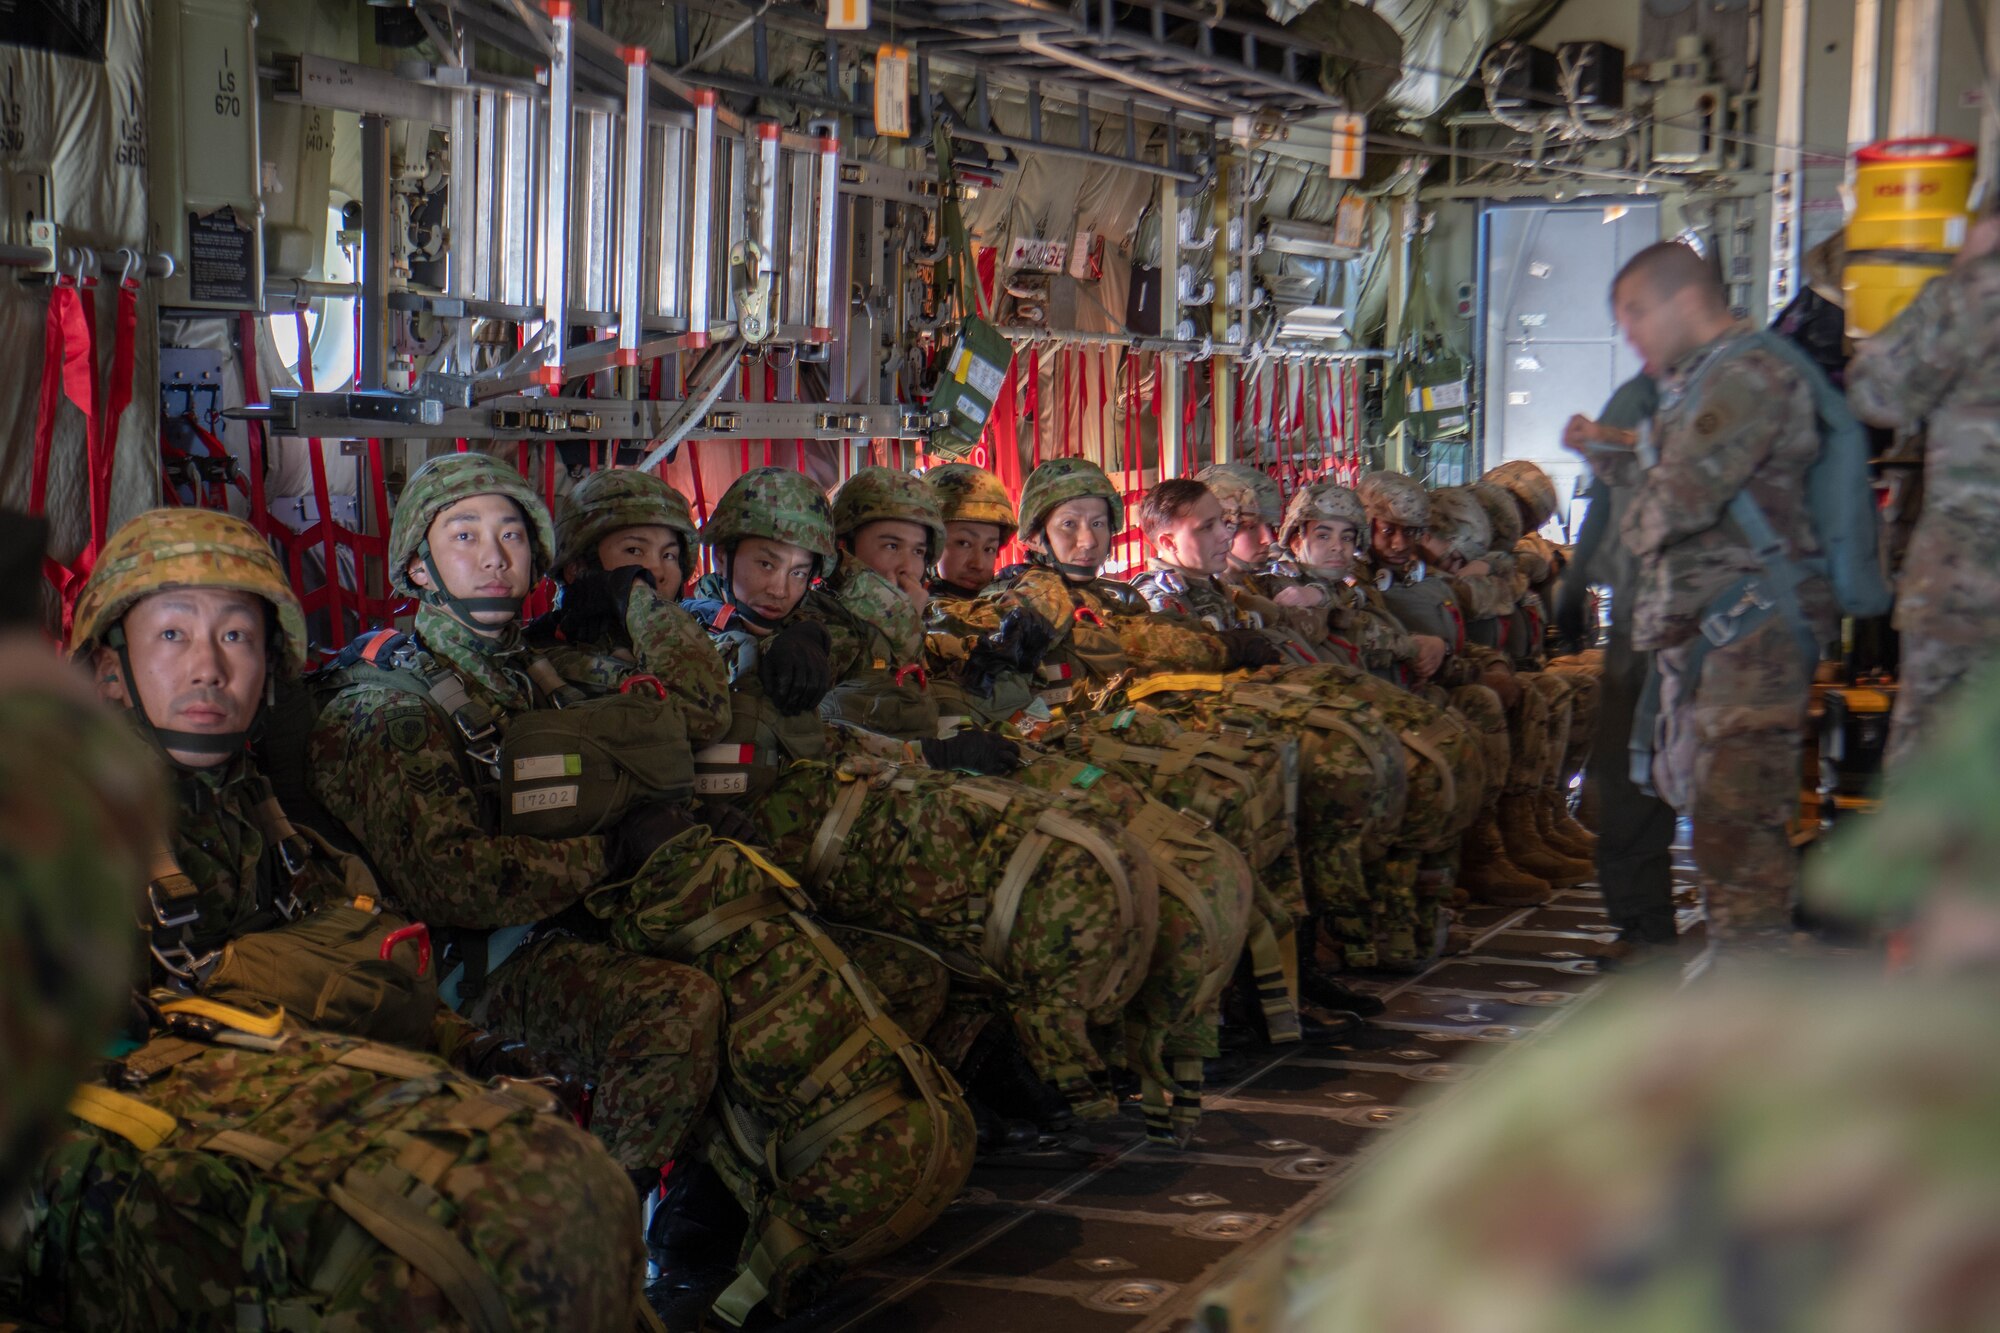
x=840, y=1136
x=1207, y=894
x=1050, y=910
x=325, y=1183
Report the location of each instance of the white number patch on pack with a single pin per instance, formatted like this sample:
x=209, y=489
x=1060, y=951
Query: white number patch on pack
x=544, y=798
x=721, y=784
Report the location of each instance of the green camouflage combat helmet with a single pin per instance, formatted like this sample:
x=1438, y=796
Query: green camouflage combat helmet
x=613, y=500
x=1323, y=501
x=776, y=504
x=1530, y=486
x=1244, y=490
x=876, y=493
x=437, y=486
x=1392, y=497
x=1459, y=518
x=1502, y=514
x=968, y=494
x=185, y=548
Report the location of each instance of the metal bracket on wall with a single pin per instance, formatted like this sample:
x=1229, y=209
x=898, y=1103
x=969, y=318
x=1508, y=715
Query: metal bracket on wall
x=517, y=417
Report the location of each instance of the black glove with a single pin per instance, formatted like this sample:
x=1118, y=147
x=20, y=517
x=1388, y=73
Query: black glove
x=975, y=752
x=489, y=1056
x=728, y=821
x=643, y=831
x=1020, y=641
x=1572, y=606
x=593, y=604
x=793, y=668
x=1249, y=648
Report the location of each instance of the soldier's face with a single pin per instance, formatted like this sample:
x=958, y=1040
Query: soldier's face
x=481, y=547
x=770, y=577
x=971, y=550
x=1078, y=532
x=1199, y=539
x=1650, y=322
x=198, y=663
x=654, y=547
x=899, y=551
x=1437, y=551
x=1396, y=545
x=1326, y=545
x=1253, y=536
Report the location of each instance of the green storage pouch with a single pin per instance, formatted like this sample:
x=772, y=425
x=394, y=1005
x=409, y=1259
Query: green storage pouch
x=977, y=364
x=331, y=972
x=567, y=772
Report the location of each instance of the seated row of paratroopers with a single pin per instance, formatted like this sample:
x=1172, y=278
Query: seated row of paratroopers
x=862, y=858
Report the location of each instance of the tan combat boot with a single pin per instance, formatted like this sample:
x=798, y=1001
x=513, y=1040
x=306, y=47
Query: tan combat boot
x=1561, y=832
x=1527, y=848
x=1491, y=878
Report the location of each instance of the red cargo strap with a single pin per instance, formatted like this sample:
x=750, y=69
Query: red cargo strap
x=69, y=370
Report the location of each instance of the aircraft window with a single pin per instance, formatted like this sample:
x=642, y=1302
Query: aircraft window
x=329, y=320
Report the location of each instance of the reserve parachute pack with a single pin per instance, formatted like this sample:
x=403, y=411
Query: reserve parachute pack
x=316, y=1181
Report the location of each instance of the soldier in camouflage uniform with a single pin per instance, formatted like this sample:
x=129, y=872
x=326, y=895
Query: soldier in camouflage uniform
x=1933, y=368
x=202, y=1183
x=1425, y=602
x=1802, y=1150
x=1050, y=926
x=81, y=809
x=833, y=1130
x=1731, y=720
x=404, y=772
x=887, y=522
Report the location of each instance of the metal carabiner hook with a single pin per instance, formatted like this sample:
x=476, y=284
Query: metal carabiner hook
x=135, y=268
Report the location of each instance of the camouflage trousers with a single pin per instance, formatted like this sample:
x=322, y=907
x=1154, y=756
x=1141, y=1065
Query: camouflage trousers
x=1931, y=671
x=327, y=1184
x=648, y=1030
x=1207, y=894
x=1727, y=753
x=1047, y=912
x=838, y=1133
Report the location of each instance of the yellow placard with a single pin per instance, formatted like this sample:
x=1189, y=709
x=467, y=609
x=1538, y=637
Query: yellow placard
x=892, y=92
x=1350, y=135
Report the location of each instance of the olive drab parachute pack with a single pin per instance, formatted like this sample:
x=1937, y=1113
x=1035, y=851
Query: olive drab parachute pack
x=841, y=1136
x=226, y=1175
x=977, y=364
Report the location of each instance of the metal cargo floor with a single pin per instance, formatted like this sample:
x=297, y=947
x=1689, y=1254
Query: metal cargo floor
x=1103, y=1232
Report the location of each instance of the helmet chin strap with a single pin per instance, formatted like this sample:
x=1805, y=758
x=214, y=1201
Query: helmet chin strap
x=440, y=595
x=164, y=739
x=1076, y=573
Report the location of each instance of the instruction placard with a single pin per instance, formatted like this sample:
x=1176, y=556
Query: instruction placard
x=220, y=252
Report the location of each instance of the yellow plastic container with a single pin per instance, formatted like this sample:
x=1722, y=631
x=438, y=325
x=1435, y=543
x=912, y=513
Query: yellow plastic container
x=1909, y=219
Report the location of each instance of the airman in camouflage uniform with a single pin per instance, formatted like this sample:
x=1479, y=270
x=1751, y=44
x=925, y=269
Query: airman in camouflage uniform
x=201, y=1184
x=1933, y=368
x=1052, y=931
x=405, y=774
x=888, y=522
x=1726, y=748
x=1748, y=1153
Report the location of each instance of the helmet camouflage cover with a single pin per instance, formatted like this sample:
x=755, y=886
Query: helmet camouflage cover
x=186, y=548
x=1327, y=501
x=968, y=494
x=1392, y=497
x=1502, y=514
x=613, y=500
x=1060, y=480
x=1527, y=483
x=441, y=483
x=876, y=493
x=1461, y=521
x=776, y=504
x=1244, y=489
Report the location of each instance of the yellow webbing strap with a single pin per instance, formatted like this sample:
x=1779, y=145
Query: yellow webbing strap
x=779, y=1241
x=1421, y=742
x=829, y=844
x=1005, y=906
x=428, y=1160
x=778, y=873
x=827, y=1074
x=802, y=1149
x=411, y=1233
x=144, y=1127
x=697, y=937
x=260, y=1152
x=1277, y=984
x=1173, y=682
x=392, y=1063
x=270, y=1023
